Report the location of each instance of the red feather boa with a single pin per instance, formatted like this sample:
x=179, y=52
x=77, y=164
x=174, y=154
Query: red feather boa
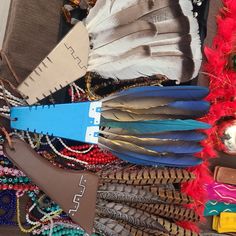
x=222, y=98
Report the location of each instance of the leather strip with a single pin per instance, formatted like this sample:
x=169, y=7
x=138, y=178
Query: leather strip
x=74, y=191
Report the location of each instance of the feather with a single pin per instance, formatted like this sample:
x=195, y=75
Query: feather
x=134, y=231
x=141, y=219
x=126, y=193
x=182, y=148
x=147, y=176
x=178, y=135
x=150, y=106
x=155, y=36
x=182, y=161
x=129, y=215
x=172, y=92
x=174, y=135
x=141, y=102
x=101, y=9
x=170, y=196
x=117, y=145
x=145, y=61
x=158, y=145
x=142, y=156
x=200, y=106
x=139, y=33
x=149, y=141
x=125, y=116
x=177, y=110
x=142, y=231
x=109, y=227
x=173, y=212
x=156, y=125
x=136, y=107
x=122, y=13
x=174, y=229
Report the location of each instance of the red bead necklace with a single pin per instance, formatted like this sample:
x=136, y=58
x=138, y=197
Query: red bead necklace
x=94, y=157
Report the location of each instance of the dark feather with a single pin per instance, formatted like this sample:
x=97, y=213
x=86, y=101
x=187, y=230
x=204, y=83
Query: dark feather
x=109, y=227
x=171, y=92
x=170, y=161
x=126, y=193
x=129, y=215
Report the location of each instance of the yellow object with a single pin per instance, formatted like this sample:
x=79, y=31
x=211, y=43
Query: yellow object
x=215, y=222
x=225, y=223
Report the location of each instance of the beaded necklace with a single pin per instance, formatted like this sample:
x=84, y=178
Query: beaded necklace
x=94, y=157
x=10, y=172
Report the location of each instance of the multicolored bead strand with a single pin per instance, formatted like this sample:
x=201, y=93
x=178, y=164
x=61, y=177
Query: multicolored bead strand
x=10, y=171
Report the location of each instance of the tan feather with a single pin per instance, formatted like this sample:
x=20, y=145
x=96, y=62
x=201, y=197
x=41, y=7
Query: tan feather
x=146, y=176
x=109, y=227
x=173, y=212
x=142, y=231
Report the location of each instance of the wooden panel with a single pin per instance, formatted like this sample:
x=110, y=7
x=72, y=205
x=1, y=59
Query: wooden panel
x=4, y=10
